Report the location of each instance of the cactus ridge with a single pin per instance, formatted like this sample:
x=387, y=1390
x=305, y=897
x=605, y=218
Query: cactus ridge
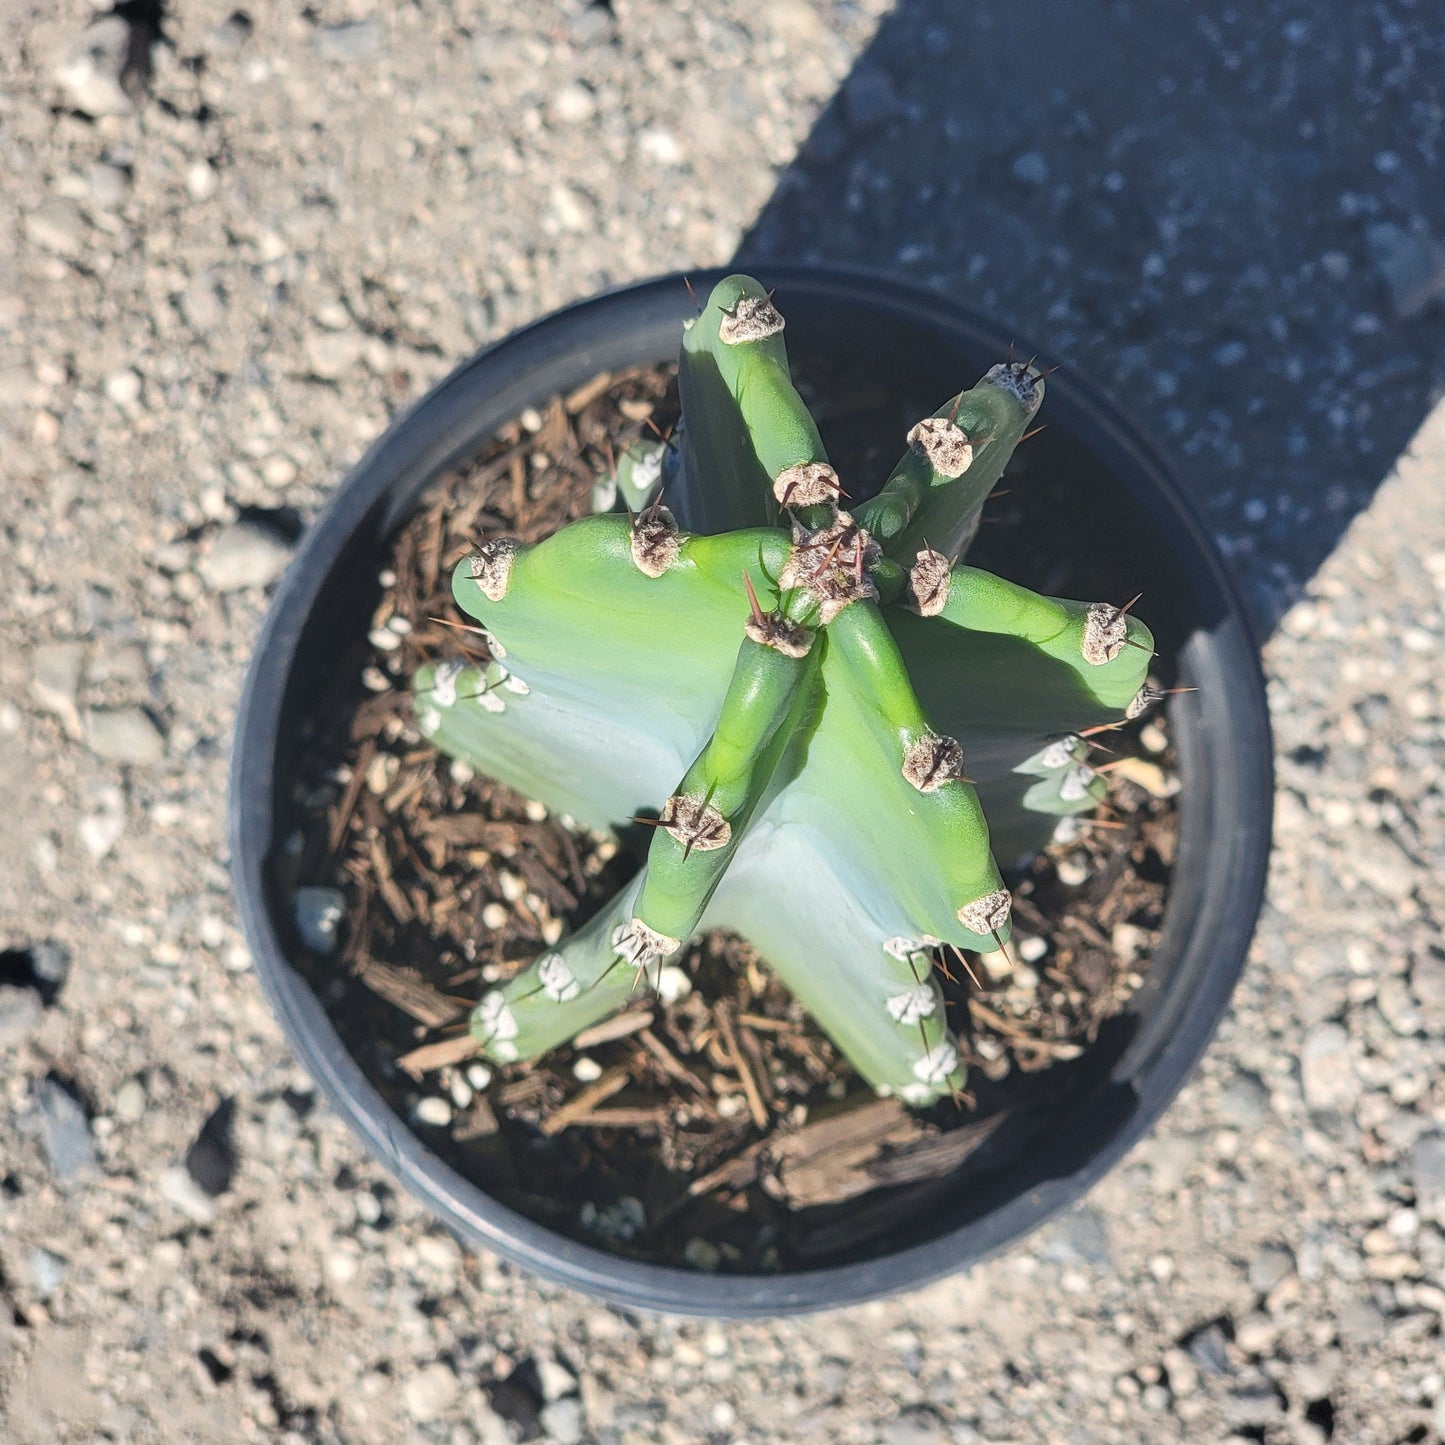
x=831, y=774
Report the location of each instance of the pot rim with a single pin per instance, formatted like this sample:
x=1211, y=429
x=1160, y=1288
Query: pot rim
x=589, y=334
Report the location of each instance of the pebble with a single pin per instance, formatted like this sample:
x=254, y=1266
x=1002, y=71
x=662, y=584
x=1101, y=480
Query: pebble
x=227, y=38
x=1410, y=261
x=94, y=70
x=123, y=388
x=870, y=99
x=57, y=226
x=1072, y=872
x=100, y=830
x=1427, y=1175
x=431, y=1392
x=433, y=1111
x=64, y=1130
x=211, y=1159
x=318, y=913
x=128, y=1103
x=1080, y=1237
x=1427, y=983
x=562, y=1420
x=109, y=185
x=1383, y=864
x=178, y=1189
x=20, y=1010
x=349, y=42
x=1031, y=168
x=245, y=554
x=47, y=1271
x=1327, y=1072
x=55, y=669
x=914, y=1427
x=124, y=735
x=1269, y=1266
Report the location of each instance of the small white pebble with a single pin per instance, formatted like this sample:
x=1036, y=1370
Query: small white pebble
x=536, y=812
x=398, y=624
x=551, y=931
x=531, y=420
x=386, y=577
x=730, y=1106
x=461, y=1092
x=478, y=1076
x=1032, y=949
x=373, y=679
x=494, y=915
x=1153, y=737
x=384, y=639
x=512, y=887
x=461, y=773
x=1072, y=872
x=586, y=1069
x=433, y=1111
x=673, y=984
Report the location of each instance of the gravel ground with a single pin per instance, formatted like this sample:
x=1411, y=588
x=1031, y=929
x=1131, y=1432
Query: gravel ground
x=234, y=253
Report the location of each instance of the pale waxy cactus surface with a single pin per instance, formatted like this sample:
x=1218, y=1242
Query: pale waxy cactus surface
x=834, y=725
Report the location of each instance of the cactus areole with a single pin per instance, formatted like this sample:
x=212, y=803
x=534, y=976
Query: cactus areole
x=836, y=726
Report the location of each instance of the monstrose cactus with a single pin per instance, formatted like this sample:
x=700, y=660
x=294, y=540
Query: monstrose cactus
x=822, y=712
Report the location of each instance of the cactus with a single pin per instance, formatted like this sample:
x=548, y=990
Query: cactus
x=823, y=713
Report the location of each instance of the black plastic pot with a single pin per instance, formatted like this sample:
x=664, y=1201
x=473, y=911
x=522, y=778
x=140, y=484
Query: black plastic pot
x=1124, y=1082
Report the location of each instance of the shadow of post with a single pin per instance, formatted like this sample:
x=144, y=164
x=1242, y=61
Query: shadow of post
x=1231, y=218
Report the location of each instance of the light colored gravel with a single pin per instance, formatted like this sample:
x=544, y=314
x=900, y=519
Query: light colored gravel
x=225, y=276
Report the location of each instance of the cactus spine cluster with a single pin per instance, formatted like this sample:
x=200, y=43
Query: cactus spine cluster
x=820, y=709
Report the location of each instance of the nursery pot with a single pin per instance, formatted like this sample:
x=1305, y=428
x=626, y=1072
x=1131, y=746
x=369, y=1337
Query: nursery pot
x=1125, y=1080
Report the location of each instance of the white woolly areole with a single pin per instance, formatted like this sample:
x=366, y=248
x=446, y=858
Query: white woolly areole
x=912, y=1004
x=428, y=720
x=1058, y=754
x=489, y=701
x=1015, y=377
x=986, y=914
x=775, y=631
x=806, y=484
x=933, y=761
x=493, y=646
x=496, y=1018
x=557, y=980
x=943, y=444
x=491, y=566
x=903, y=948
x=656, y=541
x=513, y=683
x=1074, y=785
x=1142, y=701
x=695, y=823
x=1105, y=629
x=444, y=682
x=937, y=1064
x=640, y=945
x=647, y=468
x=918, y=1093
x=751, y=319
x=929, y=580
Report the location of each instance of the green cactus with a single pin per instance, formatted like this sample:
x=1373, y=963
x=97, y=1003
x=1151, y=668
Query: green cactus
x=823, y=713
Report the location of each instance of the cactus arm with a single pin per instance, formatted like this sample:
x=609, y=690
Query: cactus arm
x=563, y=991
x=1008, y=672
x=936, y=493
x=746, y=425
x=705, y=819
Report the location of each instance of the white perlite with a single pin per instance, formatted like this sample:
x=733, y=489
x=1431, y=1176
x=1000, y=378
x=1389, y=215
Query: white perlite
x=986, y=914
x=943, y=444
x=912, y=1005
x=558, y=981
x=1105, y=629
x=751, y=319
x=491, y=566
x=806, y=484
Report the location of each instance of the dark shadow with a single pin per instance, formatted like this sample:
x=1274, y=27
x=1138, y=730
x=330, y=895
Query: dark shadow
x=1232, y=218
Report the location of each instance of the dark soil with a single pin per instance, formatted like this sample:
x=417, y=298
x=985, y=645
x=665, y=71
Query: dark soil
x=721, y=1129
